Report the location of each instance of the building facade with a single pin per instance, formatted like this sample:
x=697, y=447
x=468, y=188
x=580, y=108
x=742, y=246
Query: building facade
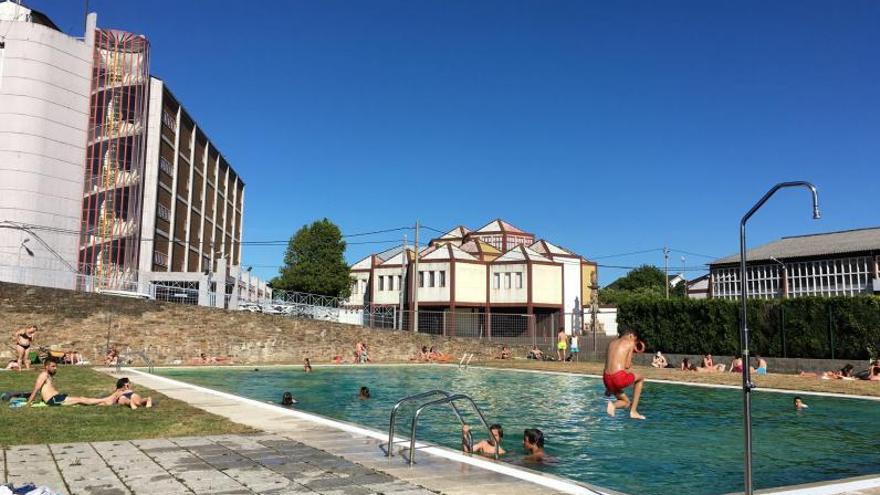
x=107, y=181
x=497, y=268
x=45, y=93
x=845, y=263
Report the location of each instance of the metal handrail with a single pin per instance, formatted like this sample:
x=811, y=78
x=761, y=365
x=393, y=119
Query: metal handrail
x=447, y=400
x=402, y=401
x=141, y=354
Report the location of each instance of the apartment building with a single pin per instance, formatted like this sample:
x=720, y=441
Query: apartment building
x=108, y=181
x=497, y=268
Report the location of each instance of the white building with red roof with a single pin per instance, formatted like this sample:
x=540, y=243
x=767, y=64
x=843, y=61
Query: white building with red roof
x=496, y=269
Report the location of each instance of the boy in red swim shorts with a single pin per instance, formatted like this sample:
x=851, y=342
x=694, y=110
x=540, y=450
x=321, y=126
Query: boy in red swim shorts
x=616, y=376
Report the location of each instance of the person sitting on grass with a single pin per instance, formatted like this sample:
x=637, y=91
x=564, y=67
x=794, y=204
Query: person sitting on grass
x=484, y=447
x=533, y=442
x=659, y=361
x=845, y=373
x=436, y=356
x=686, y=365
x=736, y=366
x=111, y=358
x=505, y=353
x=13, y=365
x=761, y=369
x=535, y=353
x=52, y=397
x=126, y=396
x=874, y=371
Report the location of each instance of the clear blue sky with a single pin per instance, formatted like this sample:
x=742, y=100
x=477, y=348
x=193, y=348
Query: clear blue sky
x=606, y=127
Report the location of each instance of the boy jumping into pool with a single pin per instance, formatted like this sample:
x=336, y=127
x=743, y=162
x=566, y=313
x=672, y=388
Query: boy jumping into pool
x=616, y=376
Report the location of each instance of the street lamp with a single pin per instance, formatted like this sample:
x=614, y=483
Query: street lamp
x=29, y=252
x=744, y=329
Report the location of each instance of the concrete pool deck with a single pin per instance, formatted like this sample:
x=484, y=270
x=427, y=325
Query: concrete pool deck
x=437, y=469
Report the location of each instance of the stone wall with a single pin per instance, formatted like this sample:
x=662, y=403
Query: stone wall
x=171, y=333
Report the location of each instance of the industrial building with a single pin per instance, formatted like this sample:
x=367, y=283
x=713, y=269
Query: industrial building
x=845, y=263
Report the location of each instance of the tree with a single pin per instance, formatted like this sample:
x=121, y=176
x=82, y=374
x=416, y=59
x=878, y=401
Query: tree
x=314, y=262
x=645, y=280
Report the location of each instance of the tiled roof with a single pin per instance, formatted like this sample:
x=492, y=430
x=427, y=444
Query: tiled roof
x=521, y=253
x=456, y=233
x=830, y=243
x=499, y=225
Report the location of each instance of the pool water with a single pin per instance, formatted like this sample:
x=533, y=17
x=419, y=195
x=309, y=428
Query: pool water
x=691, y=441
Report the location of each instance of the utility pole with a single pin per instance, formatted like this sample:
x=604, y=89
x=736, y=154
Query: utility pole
x=683, y=279
x=404, y=262
x=416, y=282
x=666, y=260
x=594, y=310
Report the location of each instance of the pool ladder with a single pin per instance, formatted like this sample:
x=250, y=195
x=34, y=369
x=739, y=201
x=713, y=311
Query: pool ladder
x=447, y=398
x=465, y=360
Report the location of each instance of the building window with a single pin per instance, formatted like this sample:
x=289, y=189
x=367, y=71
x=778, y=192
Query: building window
x=160, y=258
x=390, y=282
x=354, y=287
x=497, y=281
x=506, y=280
x=421, y=279
x=399, y=283
x=166, y=166
x=381, y=282
x=518, y=276
x=163, y=212
x=169, y=120
x=443, y=278
x=431, y=279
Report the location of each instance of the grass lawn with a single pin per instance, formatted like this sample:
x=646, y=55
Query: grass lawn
x=93, y=423
x=773, y=380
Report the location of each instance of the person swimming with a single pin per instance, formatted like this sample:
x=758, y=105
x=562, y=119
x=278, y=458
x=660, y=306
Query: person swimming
x=308, y=366
x=799, y=404
x=364, y=393
x=533, y=443
x=287, y=399
x=484, y=447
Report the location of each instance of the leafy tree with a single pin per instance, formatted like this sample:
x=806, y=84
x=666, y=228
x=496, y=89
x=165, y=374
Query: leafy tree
x=314, y=262
x=644, y=281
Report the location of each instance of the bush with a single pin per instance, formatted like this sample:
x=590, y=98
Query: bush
x=811, y=327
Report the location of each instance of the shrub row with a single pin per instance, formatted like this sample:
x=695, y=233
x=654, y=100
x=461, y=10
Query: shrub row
x=836, y=327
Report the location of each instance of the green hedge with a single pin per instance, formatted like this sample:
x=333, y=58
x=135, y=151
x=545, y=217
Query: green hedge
x=812, y=327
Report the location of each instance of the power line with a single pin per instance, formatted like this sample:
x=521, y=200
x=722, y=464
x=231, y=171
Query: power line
x=626, y=254
x=694, y=254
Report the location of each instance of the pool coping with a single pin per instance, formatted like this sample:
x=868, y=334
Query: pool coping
x=689, y=384
x=560, y=484
x=830, y=487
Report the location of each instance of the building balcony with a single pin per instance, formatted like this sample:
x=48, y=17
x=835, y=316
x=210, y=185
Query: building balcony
x=111, y=180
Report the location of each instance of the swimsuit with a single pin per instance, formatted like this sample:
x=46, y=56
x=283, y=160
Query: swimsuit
x=737, y=369
x=56, y=400
x=561, y=345
x=761, y=371
x=616, y=382
x=25, y=337
x=127, y=395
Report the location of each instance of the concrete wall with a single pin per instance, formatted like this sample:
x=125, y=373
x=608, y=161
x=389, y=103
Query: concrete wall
x=513, y=295
x=547, y=288
x=385, y=296
x=169, y=332
x=436, y=294
x=44, y=104
x=571, y=276
x=470, y=283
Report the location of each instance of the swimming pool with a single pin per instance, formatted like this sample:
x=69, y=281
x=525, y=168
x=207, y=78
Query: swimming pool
x=692, y=438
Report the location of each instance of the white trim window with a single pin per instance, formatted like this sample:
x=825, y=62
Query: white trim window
x=497, y=281
x=431, y=276
x=421, y=279
x=442, y=278
x=519, y=282
x=507, y=280
x=381, y=282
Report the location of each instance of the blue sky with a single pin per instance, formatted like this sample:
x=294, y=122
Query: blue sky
x=606, y=127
